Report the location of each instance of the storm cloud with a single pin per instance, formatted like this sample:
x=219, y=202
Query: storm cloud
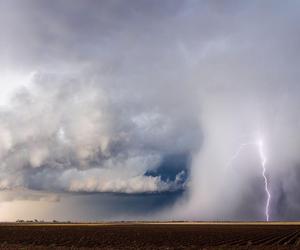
x=141, y=98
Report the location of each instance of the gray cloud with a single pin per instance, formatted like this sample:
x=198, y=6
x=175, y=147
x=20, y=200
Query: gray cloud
x=103, y=91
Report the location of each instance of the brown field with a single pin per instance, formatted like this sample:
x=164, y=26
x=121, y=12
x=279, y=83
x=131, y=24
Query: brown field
x=151, y=236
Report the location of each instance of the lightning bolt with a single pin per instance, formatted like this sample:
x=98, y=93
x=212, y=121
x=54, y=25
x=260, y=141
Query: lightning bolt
x=263, y=160
x=237, y=153
x=263, y=165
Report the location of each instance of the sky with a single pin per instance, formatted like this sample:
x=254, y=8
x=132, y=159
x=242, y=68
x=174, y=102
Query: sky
x=149, y=110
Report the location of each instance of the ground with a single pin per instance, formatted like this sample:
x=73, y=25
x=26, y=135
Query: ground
x=150, y=236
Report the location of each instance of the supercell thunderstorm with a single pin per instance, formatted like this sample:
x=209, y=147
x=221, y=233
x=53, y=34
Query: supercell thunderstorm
x=134, y=110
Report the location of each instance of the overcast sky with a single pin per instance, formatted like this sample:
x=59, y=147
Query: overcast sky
x=119, y=110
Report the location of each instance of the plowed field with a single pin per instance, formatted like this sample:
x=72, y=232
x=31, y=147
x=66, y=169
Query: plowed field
x=150, y=236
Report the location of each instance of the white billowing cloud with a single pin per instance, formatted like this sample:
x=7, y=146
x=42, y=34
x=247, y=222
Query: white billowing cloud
x=37, y=155
x=119, y=176
x=97, y=180
x=6, y=139
x=62, y=134
x=10, y=81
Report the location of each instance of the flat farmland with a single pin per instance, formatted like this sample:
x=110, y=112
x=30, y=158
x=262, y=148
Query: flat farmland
x=151, y=236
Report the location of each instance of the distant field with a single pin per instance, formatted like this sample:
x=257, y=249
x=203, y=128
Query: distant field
x=151, y=235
